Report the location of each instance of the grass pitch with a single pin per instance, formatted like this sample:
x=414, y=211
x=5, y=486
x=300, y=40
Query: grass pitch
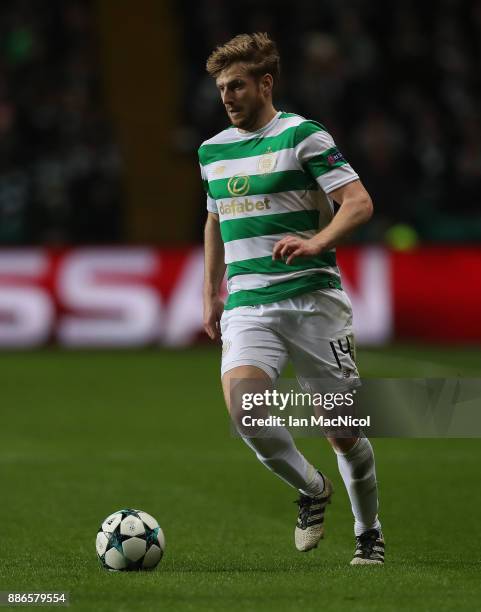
x=84, y=434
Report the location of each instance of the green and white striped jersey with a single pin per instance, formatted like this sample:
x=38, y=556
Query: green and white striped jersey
x=265, y=185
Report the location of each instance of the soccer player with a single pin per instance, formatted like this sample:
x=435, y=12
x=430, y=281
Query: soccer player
x=271, y=179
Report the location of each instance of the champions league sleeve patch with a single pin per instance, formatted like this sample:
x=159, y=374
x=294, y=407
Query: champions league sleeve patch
x=335, y=157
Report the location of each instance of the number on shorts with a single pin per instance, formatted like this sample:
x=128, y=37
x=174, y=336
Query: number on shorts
x=347, y=349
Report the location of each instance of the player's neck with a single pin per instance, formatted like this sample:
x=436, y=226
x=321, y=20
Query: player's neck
x=266, y=115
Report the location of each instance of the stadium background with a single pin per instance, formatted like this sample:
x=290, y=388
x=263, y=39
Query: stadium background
x=102, y=108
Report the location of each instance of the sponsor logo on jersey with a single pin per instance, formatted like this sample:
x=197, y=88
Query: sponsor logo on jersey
x=236, y=207
x=335, y=157
x=238, y=185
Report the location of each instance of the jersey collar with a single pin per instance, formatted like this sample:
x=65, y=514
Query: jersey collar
x=261, y=130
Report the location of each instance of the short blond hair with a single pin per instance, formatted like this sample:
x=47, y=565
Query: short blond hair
x=257, y=51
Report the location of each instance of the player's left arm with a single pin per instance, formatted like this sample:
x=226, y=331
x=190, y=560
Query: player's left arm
x=355, y=209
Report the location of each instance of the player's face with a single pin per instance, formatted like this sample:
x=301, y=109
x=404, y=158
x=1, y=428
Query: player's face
x=241, y=95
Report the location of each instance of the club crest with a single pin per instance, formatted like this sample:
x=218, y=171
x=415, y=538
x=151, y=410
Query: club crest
x=267, y=162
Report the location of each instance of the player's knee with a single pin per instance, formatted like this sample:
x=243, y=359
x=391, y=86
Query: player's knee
x=241, y=384
x=342, y=445
x=244, y=388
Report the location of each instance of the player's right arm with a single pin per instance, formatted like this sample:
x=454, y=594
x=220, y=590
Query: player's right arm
x=214, y=270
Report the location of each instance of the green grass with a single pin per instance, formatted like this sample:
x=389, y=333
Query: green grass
x=85, y=433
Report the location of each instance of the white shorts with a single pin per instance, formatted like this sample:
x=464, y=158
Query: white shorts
x=313, y=330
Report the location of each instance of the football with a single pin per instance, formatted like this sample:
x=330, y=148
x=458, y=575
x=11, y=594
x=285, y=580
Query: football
x=130, y=540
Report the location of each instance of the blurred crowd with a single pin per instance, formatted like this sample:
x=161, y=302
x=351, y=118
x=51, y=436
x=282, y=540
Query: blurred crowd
x=398, y=84
x=60, y=171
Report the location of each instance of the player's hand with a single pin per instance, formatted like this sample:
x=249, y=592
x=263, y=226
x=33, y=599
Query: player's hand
x=290, y=247
x=213, y=309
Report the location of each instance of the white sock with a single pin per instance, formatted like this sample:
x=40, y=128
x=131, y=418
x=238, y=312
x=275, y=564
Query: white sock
x=358, y=472
x=275, y=448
